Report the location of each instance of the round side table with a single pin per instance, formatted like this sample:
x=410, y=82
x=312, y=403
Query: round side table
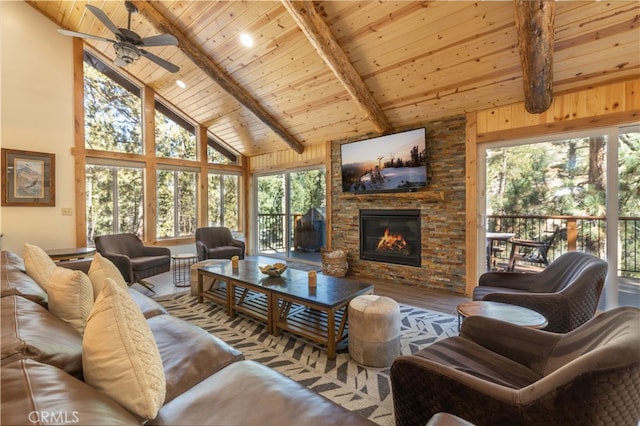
x=518, y=315
x=182, y=268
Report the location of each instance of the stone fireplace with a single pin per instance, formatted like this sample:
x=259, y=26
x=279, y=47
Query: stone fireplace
x=391, y=236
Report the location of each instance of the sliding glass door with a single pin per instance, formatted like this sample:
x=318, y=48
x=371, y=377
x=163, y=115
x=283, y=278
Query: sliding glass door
x=291, y=214
x=582, y=188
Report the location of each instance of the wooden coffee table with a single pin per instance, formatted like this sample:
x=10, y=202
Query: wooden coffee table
x=286, y=302
x=502, y=311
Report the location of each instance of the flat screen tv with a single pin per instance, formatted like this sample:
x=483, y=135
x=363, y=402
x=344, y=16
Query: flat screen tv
x=390, y=163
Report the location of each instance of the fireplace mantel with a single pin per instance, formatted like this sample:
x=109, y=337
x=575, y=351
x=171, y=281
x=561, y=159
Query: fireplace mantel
x=427, y=196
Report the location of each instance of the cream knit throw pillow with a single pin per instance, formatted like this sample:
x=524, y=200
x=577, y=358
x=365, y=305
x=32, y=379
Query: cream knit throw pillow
x=102, y=268
x=70, y=297
x=38, y=265
x=119, y=353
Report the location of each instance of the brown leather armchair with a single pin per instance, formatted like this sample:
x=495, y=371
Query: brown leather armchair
x=134, y=260
x=216, y=242
x=498, y=373
x=566, y=292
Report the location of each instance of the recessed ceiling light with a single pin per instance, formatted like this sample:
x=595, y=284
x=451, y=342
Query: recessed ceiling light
x=246, y=40
x=181, y=84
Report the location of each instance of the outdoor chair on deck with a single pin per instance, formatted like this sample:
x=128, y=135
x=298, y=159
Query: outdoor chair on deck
x=134, y=260
x=533, y=251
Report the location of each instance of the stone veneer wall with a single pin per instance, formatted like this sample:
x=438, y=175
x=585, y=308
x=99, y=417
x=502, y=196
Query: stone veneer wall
x=443, y=222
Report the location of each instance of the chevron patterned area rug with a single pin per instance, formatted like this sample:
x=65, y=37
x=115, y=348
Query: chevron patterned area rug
x=365, y=390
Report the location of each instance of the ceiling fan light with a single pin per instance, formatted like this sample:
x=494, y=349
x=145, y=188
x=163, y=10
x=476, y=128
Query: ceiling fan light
x=126, y=53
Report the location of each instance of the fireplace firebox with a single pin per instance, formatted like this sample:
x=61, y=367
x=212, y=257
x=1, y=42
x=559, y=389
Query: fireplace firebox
x=391, y=236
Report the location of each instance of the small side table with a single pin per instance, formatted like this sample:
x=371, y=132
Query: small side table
x=518, y=315
x=182, y=268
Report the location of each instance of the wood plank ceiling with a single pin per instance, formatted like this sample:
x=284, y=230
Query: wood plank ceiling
x=415, y=61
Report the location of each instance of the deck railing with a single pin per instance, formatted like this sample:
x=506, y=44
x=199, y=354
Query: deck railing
x=583, y=233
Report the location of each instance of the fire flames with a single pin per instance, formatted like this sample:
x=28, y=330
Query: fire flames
x=392, y=242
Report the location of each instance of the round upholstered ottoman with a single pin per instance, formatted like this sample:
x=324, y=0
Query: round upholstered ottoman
x=374, y=330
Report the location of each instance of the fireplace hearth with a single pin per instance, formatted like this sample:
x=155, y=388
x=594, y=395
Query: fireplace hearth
x=391, y=236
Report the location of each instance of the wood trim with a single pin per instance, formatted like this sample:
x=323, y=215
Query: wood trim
x=78, y=143
x=202, y=184
x=471, y=201
x=328, y=198
x=149, y=146
x=614, y=119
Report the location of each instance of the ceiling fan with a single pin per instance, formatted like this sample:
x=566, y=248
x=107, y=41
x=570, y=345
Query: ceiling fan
x=128, y=44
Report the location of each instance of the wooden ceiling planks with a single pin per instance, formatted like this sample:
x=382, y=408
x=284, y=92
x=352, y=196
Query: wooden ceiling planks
x=419, y=60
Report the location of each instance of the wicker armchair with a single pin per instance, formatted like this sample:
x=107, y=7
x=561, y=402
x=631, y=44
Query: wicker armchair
x=498, y=373
x=566, y=292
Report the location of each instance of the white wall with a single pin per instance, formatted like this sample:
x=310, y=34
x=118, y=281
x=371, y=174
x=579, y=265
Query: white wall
x=36, y=114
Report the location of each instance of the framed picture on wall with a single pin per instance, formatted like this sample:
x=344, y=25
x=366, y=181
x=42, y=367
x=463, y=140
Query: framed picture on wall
x=28, y=178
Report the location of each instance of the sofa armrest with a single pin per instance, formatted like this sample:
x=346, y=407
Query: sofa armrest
x=523, y=345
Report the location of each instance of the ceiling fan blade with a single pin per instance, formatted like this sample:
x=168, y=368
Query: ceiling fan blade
x=165, y=64
x=160, y=40
x=105, y=20
x=83, y=35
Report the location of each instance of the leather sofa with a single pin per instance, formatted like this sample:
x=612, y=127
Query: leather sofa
x=208, y=382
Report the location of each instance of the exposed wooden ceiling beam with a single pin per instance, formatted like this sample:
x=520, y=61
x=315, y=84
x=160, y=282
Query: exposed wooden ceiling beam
x=319, y=34
x=206, y=64
x=535, y=23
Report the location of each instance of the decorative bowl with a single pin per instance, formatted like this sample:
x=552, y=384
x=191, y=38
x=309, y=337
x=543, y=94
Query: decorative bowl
x=274, y=270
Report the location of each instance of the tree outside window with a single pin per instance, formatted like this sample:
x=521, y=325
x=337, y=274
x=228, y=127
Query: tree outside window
x=114, y=200
x=177, y=205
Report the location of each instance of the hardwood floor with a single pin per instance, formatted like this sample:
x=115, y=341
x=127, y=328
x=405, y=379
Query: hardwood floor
x=432, y=300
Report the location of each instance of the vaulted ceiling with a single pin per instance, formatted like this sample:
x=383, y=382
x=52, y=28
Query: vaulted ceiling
x=335, y=69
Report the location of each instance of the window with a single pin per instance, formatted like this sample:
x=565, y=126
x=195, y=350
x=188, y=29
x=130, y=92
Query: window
x=218, y=154
x=175, y=137
x=223, y=200
x=114, y=200
x=177, y=204
x=112, y=109
x=116, y=183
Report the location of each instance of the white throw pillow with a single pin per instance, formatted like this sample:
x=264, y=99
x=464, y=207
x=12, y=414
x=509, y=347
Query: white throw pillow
x=119, y=353
x=102, y=268
x=38, y=265
x=70, y=296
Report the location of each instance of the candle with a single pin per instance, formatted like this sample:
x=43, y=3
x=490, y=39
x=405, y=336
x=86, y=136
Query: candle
x=312, y=278
x=234, y=261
